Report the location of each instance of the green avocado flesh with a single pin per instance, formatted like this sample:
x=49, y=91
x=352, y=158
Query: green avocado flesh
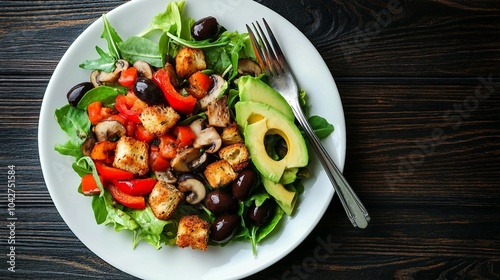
x=258, y=120
x=253, y=89
x=285, y=198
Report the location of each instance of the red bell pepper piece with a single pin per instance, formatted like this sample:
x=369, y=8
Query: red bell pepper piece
x=136, y=187
x=89, y=185
x=131, y=201
x=199, y=84
x=180, y=103
x=111, y=173
x=97, y=113
x=185, y=135
x=128, y=106
x=168, y=146
x=142, y=134
x=128, y=77
x=156, y=161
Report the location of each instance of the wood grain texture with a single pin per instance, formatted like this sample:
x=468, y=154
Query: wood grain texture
x=423, y=148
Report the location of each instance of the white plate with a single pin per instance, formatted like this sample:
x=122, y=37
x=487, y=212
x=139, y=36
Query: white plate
x=233, y=261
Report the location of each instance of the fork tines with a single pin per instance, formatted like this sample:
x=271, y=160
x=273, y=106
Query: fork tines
x=269, y=54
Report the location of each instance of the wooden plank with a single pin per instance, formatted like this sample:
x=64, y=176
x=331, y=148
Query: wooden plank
x=418, y=39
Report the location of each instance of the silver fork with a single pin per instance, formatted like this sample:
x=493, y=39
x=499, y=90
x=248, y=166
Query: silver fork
x=281, y=78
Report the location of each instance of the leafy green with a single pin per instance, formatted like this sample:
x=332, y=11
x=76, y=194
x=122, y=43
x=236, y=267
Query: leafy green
x=73, y=121
x=76, y=124
x=150, y=228
x=168, y=21
x=139, y=48
x=71, y=148
x=203, y=44
x=87, y=163
x=321, y=126
x=109, y=33
x=106, y=63
x=99, y=208
x=226, y=57
x=255, y=234
x=105, y=94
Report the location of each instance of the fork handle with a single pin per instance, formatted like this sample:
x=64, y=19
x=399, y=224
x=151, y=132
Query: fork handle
x=356, y=212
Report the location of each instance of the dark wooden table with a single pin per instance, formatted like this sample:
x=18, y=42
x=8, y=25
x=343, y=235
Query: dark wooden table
x=420, y=85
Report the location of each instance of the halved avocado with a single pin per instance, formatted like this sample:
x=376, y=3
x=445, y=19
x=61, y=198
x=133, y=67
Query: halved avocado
x=259, y=120
x=253, y=89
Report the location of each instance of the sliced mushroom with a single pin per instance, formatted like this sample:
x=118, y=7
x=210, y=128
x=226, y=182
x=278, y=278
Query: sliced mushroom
x=143, y=69
x=183, y=159
x=166, y=176
x=89, y=143
x=218, y=112
x=99, y=78
x=193, y=184
x=199, y=164
x=206, y=137
x=246, y=66
x=109, y=130
x=215, y=92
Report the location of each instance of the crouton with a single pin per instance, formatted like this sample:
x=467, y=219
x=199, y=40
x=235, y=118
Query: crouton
x=237, y=155
x=131, y=155
x=219, y=173
x=158, y=119
x=231, y=135
x=188, y=61
x=218, y=112
x=164, y=199
x=193, y=232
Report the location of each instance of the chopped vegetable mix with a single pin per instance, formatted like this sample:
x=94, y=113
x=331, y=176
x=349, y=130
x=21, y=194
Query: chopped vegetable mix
x=157, y=144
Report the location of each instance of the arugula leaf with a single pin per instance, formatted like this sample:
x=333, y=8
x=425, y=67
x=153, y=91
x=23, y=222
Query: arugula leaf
x=321, y=126
x=81, y=167
x=168, y=21
x=203, y=44
x=109, y=33
x=105, y=94
x=139, y=48
x=106, y=63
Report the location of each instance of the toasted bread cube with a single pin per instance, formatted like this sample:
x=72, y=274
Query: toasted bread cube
x=219, y=173
x=231, y=135
x=193, y=232
x=189, y=61
x=164, y=199
x=159, y=119
x=131, y=155
x=237, y=155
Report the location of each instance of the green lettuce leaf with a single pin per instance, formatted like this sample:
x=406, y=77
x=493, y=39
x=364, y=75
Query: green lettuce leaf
x=168, y=21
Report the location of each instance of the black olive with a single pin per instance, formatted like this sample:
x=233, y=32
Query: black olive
x=218, y=201
x=148, y=91
x=76, y=93
x=259, y=215
x=224, y=227
x=244, y=183
x=205, y=28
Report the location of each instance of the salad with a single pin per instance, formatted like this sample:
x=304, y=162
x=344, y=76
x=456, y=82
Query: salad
x=177, y=137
